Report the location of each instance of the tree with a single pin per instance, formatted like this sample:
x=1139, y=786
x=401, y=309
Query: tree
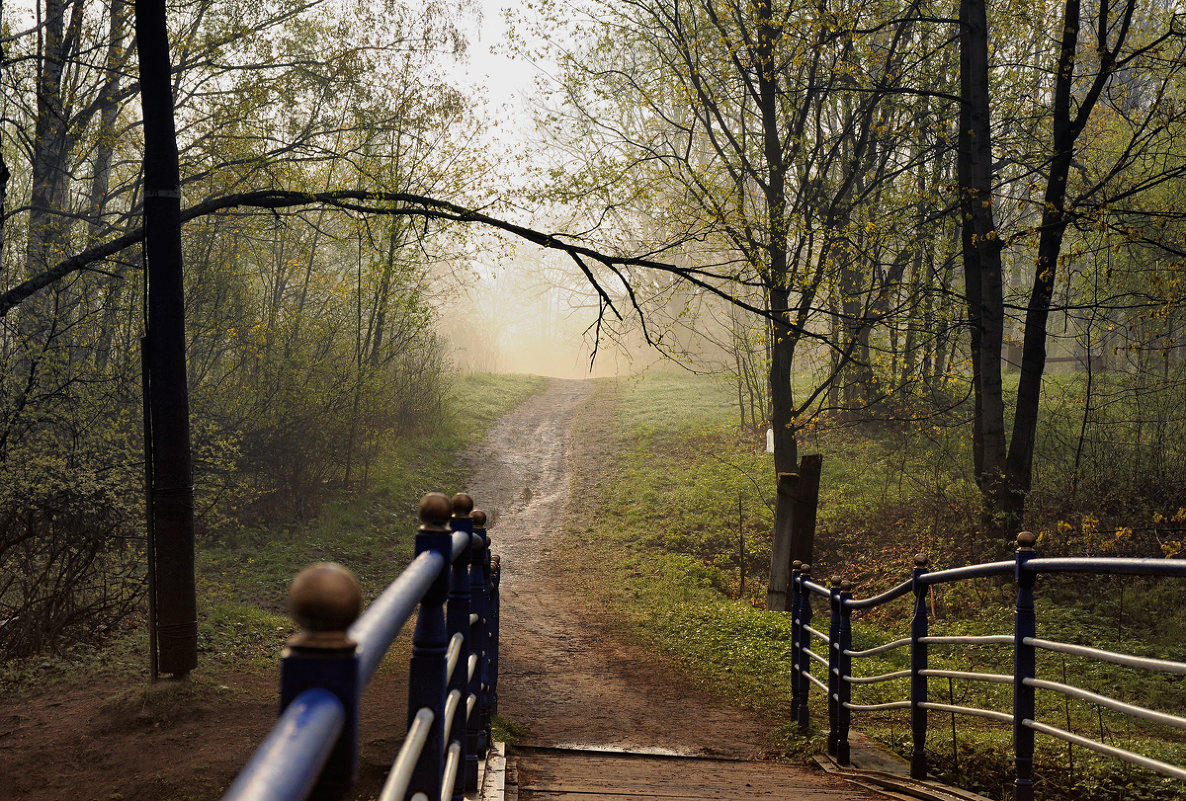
x=73, y=208
x=760, y=130
x=1092, y=64
x=170, y=491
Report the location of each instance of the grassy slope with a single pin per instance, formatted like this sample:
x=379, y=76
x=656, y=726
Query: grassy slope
x=242, y=581
x=659, y=534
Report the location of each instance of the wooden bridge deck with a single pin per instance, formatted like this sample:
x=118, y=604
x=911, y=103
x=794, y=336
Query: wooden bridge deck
x=551, y=774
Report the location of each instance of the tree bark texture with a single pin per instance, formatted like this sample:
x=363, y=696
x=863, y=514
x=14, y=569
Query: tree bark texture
x=981, y=246
x=172, y=505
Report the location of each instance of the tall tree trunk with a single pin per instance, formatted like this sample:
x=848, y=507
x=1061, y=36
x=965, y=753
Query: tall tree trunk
x=101, y=182
x=172, y=504
x=1005, y=477
x=49, y=178
x=981, y=247
x=1065, y=130
x=782, y=348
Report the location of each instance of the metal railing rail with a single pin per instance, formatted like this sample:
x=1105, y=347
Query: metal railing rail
x=452, y=587
x=1024, y=569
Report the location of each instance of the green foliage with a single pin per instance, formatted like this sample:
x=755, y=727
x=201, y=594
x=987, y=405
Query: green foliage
x=505, y=730
x=662, y=531
x=71, y=549
x=311, y=347
x=243, y=576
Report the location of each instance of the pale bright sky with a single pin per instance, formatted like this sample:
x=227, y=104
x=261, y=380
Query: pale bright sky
x=508, y=84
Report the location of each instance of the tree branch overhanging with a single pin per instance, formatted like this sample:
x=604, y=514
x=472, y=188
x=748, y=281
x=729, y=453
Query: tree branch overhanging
x=403, y=204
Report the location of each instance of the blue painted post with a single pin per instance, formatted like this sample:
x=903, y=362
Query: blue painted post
x=324, y=600
x=834, y=667
x=796, y=637
x=804, y=646
x=918, y=663
x=844, y=661
x=495, y=610
x=457, y=621
x=426, y=676
x=1025, y=666
x=479, y=595
x=486, y=699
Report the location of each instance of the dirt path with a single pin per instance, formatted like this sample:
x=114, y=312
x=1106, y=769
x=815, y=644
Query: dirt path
x=567, y=678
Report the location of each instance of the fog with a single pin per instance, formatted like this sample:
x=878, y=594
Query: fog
x=532, y=312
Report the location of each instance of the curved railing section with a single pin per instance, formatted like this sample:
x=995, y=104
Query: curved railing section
x=451, y=586
x=837, y=666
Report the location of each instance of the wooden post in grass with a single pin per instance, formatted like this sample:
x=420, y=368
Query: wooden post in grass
x=805, y=493
x=796, y=540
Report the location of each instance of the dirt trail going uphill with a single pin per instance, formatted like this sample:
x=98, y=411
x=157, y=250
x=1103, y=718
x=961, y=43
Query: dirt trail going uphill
x=563, y=674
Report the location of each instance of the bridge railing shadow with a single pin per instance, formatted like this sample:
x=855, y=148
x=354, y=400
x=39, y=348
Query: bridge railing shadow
x=1024, y=681
x=451, y=586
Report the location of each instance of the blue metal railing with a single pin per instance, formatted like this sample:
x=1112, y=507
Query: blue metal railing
x=1024, y=569
x=452, y=587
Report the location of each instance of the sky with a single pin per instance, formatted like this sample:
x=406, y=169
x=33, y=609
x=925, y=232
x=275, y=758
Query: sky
x=508, y=84
x=528, y=322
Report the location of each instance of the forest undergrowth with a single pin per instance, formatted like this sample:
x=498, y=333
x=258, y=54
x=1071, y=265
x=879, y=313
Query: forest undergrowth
x=243, y=572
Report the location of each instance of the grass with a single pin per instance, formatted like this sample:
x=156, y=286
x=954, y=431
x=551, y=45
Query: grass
x=243, y=578
x=661, y=539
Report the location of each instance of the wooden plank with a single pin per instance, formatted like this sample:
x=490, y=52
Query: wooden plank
x=550, y=775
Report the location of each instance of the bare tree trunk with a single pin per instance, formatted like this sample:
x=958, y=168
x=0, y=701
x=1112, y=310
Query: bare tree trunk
x=981, y=248
x=782, y=347
x=172, y=498
x=101, y=181
x=1004, y=477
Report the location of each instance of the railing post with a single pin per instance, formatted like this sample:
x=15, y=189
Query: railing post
x=426, y=679
x=834, y=667
x=479, y=595
x=804, y=646
x=1025, y=666
x=324, y=600
x=496, y=609
x=918, y=663
x=457, y=621
x=486, y=701
x=796, y=634
x=844, y=661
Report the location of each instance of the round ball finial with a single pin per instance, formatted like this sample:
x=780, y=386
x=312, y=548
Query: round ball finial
x=1026, y=541
x=435, y=509
x=846, y=585
x=805, y=569
x=921, y=560
x=324, y=599
x=479, y=518
x=462, y=505
x=796, y=565
x=835, y=582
